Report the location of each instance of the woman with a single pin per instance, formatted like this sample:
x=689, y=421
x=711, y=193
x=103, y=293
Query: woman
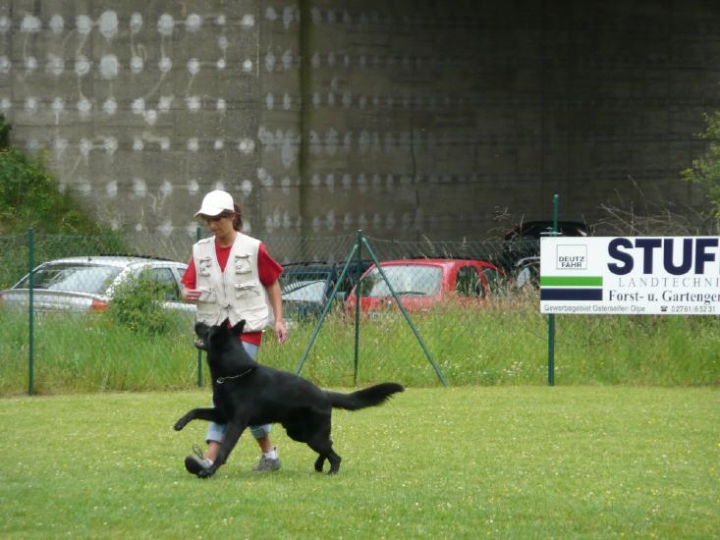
x=232, y=277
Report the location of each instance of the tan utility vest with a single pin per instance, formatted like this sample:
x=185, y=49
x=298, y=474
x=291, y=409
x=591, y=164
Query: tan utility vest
x=236, y=293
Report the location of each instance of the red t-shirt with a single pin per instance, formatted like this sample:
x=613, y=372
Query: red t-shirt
x=269, y=271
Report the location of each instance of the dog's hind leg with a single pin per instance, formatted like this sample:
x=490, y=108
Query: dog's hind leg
x=334, y=462
x=325, y=451
x=320, y=463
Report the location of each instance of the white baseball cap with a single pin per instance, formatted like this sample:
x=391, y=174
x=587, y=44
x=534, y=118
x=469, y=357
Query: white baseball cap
x=215, y=203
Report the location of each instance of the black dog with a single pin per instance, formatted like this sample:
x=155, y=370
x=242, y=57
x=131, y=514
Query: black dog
x=246, y=393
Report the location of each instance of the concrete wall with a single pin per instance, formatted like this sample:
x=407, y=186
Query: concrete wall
x=142, y=107
x=407, y=119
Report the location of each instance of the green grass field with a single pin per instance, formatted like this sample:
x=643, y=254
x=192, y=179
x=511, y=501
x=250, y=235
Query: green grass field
x=468, y=462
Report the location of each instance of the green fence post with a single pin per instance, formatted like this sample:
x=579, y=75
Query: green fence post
x=356, y=359
x=551, y=317
x=325, y=311
x=198, y=233
x=357, y=250
x=414, y=329
x=31, y=313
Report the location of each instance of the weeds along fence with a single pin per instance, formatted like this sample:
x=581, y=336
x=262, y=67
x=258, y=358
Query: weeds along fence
x=450, y=336
x=500, y=339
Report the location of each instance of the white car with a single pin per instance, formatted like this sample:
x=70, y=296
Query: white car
x=85, y=284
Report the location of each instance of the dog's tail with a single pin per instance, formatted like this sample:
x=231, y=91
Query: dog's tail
x=367, y=397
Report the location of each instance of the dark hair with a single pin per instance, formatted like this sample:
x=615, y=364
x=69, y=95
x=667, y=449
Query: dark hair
x=237, y=222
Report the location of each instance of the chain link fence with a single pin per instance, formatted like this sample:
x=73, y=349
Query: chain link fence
x=436, y=342
x=15, y=250
x=486, y=330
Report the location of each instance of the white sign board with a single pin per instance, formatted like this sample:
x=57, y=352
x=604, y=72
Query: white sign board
x=630, y=275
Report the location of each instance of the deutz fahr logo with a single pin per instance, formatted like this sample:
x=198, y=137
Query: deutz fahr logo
x=572, y=257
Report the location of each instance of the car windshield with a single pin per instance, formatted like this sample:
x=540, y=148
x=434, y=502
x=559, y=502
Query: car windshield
x=408, y=280
x=304, y=291
x=73, y=277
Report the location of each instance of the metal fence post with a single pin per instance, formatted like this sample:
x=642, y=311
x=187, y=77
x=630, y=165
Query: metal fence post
x=551, y=317
x=357, y=250
x=31, y=313
x=395, y=296
x=356, y=358
x=198, y=233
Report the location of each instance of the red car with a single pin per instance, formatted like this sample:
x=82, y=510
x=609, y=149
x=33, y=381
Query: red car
x=422, y=283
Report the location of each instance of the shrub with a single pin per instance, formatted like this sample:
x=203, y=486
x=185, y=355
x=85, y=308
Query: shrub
x=30, y=195
x=138, y=306
x=705, y=170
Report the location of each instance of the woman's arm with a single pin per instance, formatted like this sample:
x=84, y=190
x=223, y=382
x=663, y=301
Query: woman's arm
x=275, y=297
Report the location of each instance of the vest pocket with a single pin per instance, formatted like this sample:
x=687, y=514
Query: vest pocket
x=247, y=291
x=204, y=266
x=242, y=264
x=207, y=296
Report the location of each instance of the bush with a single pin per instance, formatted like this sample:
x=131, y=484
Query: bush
x=30, y=196
x=705, y=170
x=138, y=306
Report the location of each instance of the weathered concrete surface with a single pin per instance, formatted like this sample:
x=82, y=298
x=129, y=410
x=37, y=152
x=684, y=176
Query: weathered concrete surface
x=406, y=119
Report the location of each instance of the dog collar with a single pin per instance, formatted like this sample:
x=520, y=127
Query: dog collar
x=221, y=380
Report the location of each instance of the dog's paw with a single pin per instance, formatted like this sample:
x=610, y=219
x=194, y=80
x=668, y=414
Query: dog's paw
x=180, y=424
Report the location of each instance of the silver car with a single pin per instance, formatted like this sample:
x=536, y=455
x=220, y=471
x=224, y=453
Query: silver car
x=86, y=284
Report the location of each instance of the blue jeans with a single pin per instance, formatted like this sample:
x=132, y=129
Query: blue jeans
x=216, y=432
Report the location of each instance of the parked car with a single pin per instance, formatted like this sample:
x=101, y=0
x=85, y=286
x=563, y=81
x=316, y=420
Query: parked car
x=522, y=242
x=527, y=273
x=85, y=284
x=423, y=283
x=306, y=286
x=537, y=229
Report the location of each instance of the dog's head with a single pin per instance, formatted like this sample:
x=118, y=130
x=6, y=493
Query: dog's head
x=225, y=351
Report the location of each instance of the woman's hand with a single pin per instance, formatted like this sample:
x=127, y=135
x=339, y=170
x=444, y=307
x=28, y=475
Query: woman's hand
x=192, y=295
x=280, y=331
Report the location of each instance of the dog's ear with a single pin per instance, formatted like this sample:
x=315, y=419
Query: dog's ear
x=202, y=329
x=238, y=328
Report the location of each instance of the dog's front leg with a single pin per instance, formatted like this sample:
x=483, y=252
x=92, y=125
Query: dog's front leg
x=230, y=439
x=232, y=434
x=209, y=414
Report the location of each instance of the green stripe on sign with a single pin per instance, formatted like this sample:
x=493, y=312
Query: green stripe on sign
x=571, y=281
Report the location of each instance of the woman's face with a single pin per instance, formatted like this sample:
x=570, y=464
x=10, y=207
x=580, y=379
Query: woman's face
x=221, y=226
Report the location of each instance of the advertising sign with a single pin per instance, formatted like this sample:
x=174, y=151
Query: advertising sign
x=630, y=275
